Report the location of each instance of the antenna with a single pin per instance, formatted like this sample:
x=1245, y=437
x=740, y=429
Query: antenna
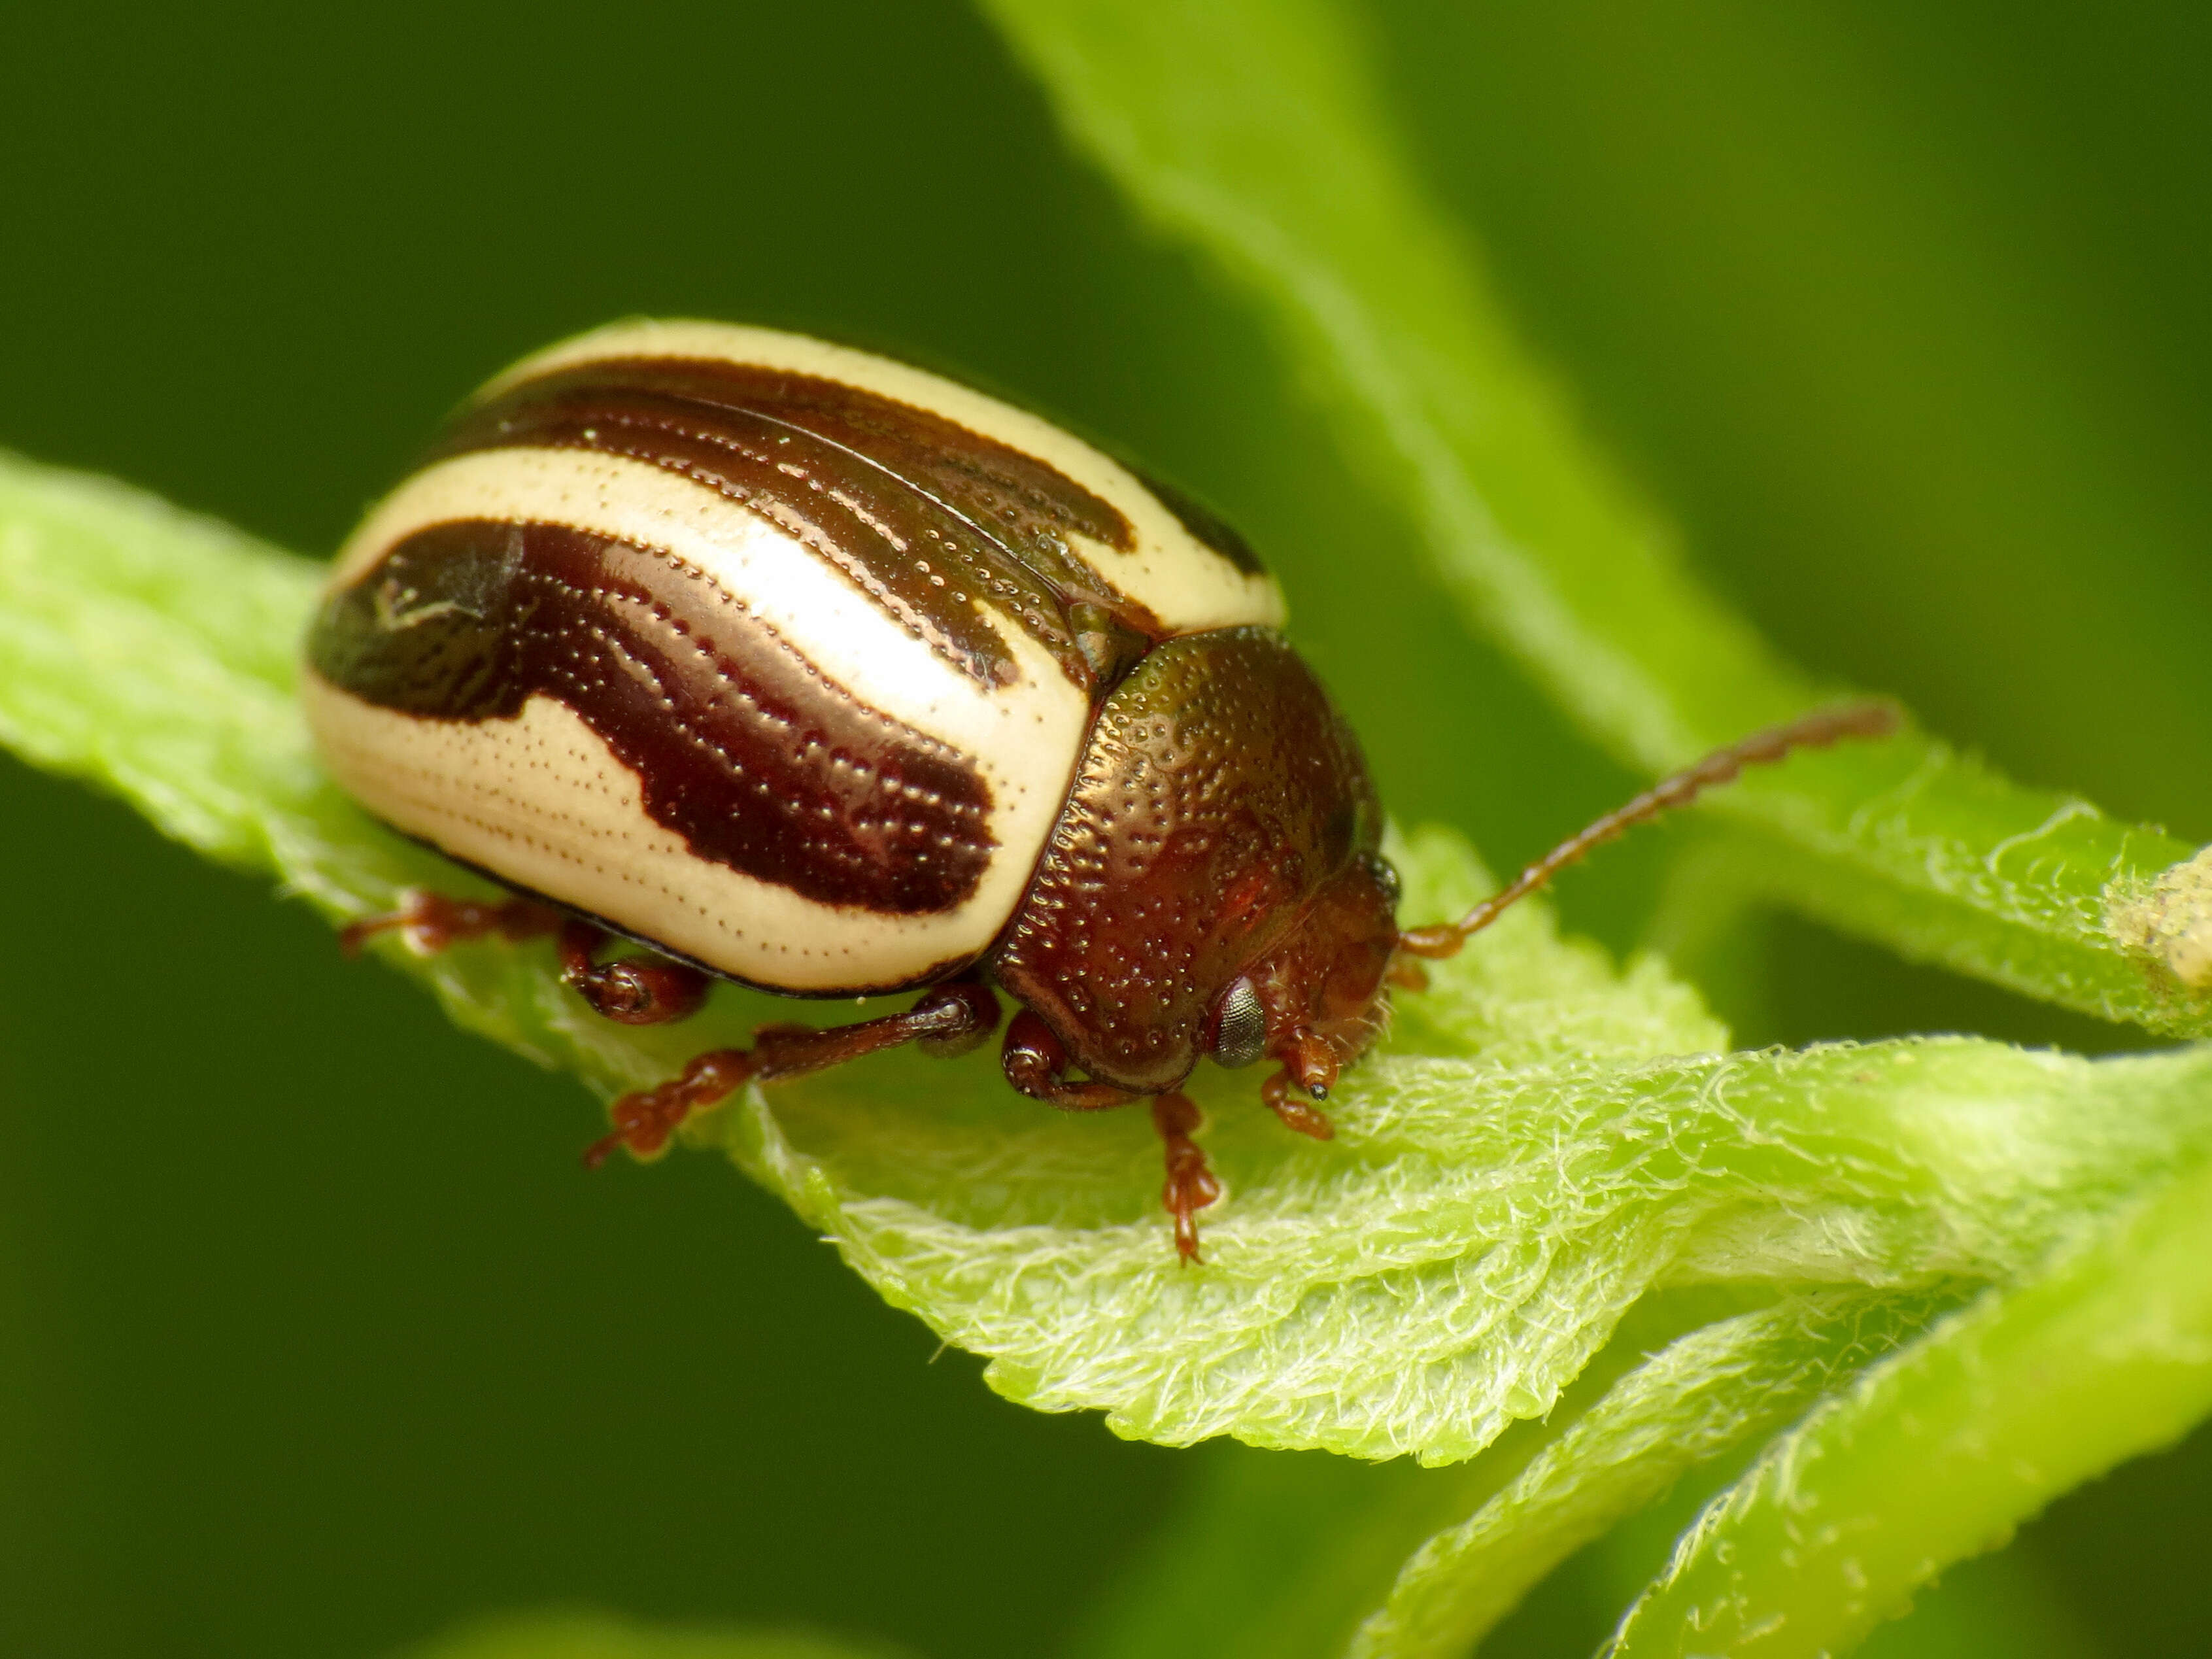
x=1814, y=731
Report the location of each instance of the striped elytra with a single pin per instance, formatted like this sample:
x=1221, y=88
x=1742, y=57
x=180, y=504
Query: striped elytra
x=813, y=670
x=776, y=654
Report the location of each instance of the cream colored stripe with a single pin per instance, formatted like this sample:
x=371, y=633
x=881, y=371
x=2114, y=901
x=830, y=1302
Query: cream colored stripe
x=541, y=800
x=1170, y=572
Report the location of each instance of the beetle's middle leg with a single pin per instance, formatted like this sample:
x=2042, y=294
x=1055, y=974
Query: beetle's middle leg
x=634, y=990
x=948, y=1019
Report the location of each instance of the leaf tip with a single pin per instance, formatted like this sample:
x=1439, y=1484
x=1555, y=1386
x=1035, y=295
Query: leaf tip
x=2169, y=922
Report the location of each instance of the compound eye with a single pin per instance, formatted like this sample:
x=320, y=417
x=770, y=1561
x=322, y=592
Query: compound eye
x=1240, y=1035
x=1386, y=876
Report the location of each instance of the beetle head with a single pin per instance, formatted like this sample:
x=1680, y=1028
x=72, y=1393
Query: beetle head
x=1317, y=1000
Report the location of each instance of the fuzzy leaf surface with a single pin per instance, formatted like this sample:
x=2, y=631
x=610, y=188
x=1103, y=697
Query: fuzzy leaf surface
x=2103, y=1355
x=1704, y=1393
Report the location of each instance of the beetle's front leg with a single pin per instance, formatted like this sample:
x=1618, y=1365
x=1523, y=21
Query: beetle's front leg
x=1191, y=1185
x=949, y=1018
x=1036, y=1063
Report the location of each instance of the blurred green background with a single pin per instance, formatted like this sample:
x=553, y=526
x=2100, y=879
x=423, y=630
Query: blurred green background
x=313, y=1336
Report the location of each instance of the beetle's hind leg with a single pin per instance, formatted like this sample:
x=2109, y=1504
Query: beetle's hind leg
x=949, y=1018
x=431, y=922
x=643, y=990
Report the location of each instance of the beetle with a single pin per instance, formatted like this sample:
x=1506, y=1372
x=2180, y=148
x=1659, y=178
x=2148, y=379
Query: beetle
x=812, y=670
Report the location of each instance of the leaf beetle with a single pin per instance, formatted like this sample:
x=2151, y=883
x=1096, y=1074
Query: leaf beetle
x=812, y=670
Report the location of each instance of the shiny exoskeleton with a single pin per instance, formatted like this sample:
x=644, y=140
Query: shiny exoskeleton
x=812, y=671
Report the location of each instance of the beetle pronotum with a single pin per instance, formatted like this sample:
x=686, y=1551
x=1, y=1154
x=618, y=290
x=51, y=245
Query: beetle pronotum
x=812, y=671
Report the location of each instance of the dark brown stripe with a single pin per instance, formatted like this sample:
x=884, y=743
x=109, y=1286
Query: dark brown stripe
x=742, y=747
x=929, y=519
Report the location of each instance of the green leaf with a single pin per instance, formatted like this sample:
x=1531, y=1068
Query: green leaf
x=1542, y=1143
x=153, y=651
x=1251, y=129
x=1276, y=1557
x=597, y=1636
x=2102, y=1356
x=1701, y=1396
